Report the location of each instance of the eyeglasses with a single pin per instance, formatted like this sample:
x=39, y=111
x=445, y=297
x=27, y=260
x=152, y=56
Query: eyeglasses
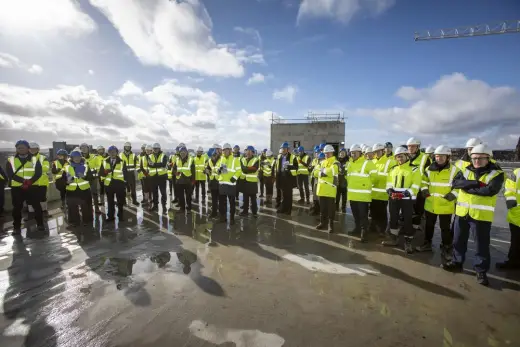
x=479, y=158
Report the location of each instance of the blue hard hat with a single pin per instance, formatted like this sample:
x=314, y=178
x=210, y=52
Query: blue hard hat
x=61, y=152
x=211, y=151
x=22, y=142
x=183, y=149
x=236, y=146
x=321, y=156
x=322, y=146
x=111, y=148
x=343, y=150
x=76, y=153
x=265, y=150
x=250, y=148
x=301, y=149
x=316, y=148
x=285, y=145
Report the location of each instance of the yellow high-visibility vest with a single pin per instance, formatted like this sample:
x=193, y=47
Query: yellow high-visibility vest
x=361, y=176
x=77, y=182
x=328, y=186
x=26, y=172
x=43, y=181
x=405, y=177
x=200, y=165
x=115, y=174
x=250, y=176
x=438, y=184
x=303, y=170
x=512, y=193
x=161, y=171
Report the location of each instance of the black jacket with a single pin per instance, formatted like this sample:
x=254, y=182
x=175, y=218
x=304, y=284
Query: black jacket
x=107, y=165
x=473, y=186
x=284, y=179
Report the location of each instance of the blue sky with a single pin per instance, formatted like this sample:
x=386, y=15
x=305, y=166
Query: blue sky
x=199, y=55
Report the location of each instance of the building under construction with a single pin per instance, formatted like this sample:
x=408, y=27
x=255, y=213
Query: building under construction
x=315, y=128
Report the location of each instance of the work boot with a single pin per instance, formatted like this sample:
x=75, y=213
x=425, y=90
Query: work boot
x=452, y=266
x=261, y=196
x=301, y=201
x=45, y=214
x=508, y=265
x=363, y=235
x=482, y=278
x=321, y=226
x=425, y=247
x=408, y=248
x=391, y=241
x=243, y=214
x=354, y=232
x=446, y=254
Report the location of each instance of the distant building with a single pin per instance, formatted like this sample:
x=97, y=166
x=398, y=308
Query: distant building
x=57, y=145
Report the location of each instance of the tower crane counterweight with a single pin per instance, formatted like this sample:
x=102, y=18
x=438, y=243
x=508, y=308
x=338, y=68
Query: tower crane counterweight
x=503, y=27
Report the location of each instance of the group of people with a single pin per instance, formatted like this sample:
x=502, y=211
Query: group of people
x=388, y=192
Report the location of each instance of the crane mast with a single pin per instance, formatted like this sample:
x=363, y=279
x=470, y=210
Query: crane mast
x=503, y=27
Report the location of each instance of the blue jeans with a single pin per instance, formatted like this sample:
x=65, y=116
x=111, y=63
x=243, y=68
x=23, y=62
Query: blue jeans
x=482, y=231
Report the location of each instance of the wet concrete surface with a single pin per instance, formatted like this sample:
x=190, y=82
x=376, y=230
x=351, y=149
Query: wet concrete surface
x=184, y=280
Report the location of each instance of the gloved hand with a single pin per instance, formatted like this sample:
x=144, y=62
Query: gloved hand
x=407, y=194
x=390, y=192
x=450, y=197
x=482, y=184
x=26, y=184
x=397, y=196
x=426, y=193
x=511, y=204
x=233, y=179
x=107, y=172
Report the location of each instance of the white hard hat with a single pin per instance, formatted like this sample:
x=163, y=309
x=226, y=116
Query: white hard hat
x=182, y=144
x=400, y=150
x=217, y=146
x=156, y=145
x=367, y=149
x=127, y=144
x=482, y=149
x=200, y=149
x=226, y=146
x=474, y=141
x=143, y=145
x=378, y=147
x=83, y=145
x=328, y=149
x=355, y=148
x=280, y=150
x=269, y=153
x=442, y=150
x=429, y=150
x=413, y=141
x=149, y=147
x=76, y=149
x=34, y=145
x=100, y=147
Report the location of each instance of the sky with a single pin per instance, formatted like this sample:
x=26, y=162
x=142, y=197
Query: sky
x=215, y=71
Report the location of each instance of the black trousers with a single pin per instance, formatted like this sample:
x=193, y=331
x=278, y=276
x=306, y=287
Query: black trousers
x=418, y=211
x=222, y=206
x=115, y=192
x=2, y=196
x=102, y=191
x=76, y=200
x=379, y=215
x=278, y=194
x=159, y=185
x=262, y=183
x=514, y=249
x=171, y=184
x=328, y=209
x=214, y=202
x=130, y=185
x=185, y=192
x=287, y=200
x=31, y=197
x=444, y=223
x=200, y=185
x=268, y=182
x=360, y=213
x=62, y=188
x=406, y=209
x=303, y=186
x=254, y=204
x=341, y=195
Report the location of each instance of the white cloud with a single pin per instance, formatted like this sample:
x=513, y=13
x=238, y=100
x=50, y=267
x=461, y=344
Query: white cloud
x=256, y=78
x=176, y=35
x=287, y=94
x=35, y=69
x=454, y=109
x=129, y=88
x=341, y=10
x=91, y=72
x=252, y=32
x=36, y=18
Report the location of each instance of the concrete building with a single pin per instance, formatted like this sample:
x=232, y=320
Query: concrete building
x=314, y=129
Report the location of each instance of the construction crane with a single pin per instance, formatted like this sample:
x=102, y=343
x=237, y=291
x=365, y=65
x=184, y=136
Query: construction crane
x=504, y=27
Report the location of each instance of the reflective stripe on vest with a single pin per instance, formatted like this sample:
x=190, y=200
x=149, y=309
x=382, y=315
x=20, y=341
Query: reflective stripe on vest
x=439, y=184
x=77, y=182
x=129, y=161
x=161, y=171
x=225, y=178
x=512, y=193
x=43, y=181
x=251, y=176
x=26, y=172
x=302, y=170
x=116, y=173
x=184, y=168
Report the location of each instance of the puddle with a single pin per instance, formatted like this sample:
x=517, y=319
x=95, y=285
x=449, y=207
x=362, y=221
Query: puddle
x=319, y=264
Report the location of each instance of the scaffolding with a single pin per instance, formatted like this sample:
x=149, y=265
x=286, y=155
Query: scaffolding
x=312, y=117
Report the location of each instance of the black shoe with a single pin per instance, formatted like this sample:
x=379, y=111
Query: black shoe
x=508, y=265
x=243, y=214
x=301, y=201
x=135, y=203
x=452, y=266
x=188, y=211
x=109, y=219
x=41, y=227
x=261, y=195
x=482, y=278
x=321, y=226
x=278, y=204
x=16, y=231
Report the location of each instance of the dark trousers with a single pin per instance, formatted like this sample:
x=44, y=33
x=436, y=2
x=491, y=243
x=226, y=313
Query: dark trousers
x=2, y=196
x=200, y=185
x=482, y=231
x=185, y=192
x=115, y=192
x=405, y=209
x=514, y=250
x=287, y=200
x=268, y=182
x=130, y=185
x=102, y=191
x=62, y=188
x=341, y=195
x=76, y=200
x=328, y=209
x=278, y=195
x=303, y=186
x=222, y=206
x=214, y=202
x=418, y=211
x=360, y=213
x=379, y=216
x=159, y=185
x=31, y=197
x=444, y=223
x=262, y=183
x=254, y=204
x=171, y=184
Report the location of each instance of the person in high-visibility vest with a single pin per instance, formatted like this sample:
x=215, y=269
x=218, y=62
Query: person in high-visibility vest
x=402, y=185
x=59, y=167
x=42, y=184
x=140, y=175
x=479, y=184
x=158, y=171
x=466, y=157
x=23, y=170
x=389, y=150
x=171, y=177
x=440, y=201
x=212, y=172
x=144, y=171
x=327, y=189
x=302, y=178
x=200, y=175
x=229, y=170
x=3, y=181
x=422, y=161
x=379, y=204
x=262, y=158
x=512, y=195
x=361, y=176
x=94, y=161
x=315, y=206
x=286, y=171
x=237, y=154
x=267, y=169
x=249, y=165
x=184, y=170
x=130, y=160
x=78, y=176
x=113, y=172
x=341, y=195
